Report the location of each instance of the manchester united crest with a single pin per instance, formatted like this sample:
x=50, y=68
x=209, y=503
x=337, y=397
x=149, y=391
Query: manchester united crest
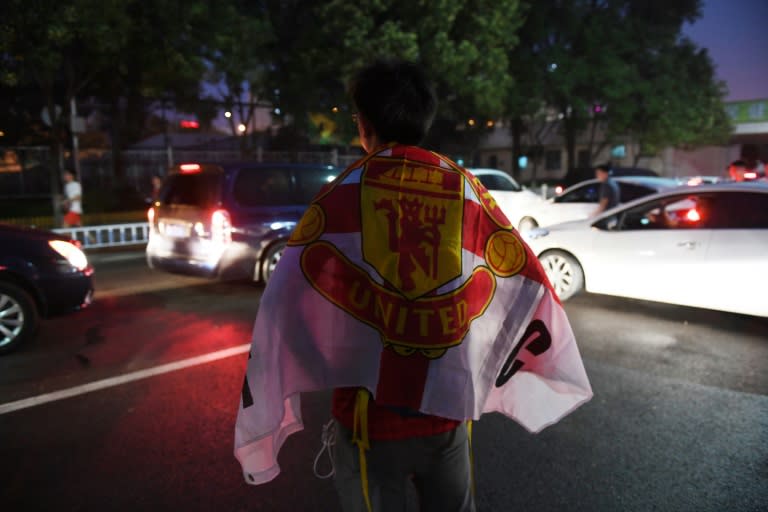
x=412, y=223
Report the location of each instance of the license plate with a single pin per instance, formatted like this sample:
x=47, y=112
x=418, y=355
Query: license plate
x=176, y=230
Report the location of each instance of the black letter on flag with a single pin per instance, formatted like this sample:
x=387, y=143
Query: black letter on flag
x=537, y=346
x=247, y=397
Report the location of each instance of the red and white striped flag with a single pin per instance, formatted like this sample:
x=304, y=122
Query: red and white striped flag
x=404, y=277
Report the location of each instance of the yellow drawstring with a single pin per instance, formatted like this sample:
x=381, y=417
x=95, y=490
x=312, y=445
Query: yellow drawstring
x=471, y=458
x=360, y=438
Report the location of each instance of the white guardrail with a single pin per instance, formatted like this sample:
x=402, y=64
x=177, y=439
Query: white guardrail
x=109, y=235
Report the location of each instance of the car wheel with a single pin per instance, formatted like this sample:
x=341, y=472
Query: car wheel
x=527, y=223
x=19, y=318
x=564, y=272
x=270, y=260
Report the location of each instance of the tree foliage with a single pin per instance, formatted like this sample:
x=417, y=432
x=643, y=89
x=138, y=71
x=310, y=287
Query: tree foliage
x=489, y=59
x=620, y=66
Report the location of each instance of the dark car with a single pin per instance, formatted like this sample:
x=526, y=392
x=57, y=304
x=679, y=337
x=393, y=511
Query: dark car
x=230, y=221
x=41, y=274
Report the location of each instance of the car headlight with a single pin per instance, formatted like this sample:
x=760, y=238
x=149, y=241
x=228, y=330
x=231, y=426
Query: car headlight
x=276, y=226
x=71, y=253
x=533, y=234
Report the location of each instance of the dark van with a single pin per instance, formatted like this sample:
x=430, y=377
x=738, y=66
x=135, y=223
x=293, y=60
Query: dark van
x=230, y=221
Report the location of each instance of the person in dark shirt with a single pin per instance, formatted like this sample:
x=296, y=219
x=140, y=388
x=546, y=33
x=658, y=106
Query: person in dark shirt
x=609, y=189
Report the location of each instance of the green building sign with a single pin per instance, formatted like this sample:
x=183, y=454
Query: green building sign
x=755, y=111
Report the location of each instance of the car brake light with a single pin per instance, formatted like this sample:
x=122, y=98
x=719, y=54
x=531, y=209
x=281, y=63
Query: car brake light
x=559, y=189
x=750, y=175
x=692, y=215
x=189, y=168
x=71, y=253
x=151, y=216
x=221, y=227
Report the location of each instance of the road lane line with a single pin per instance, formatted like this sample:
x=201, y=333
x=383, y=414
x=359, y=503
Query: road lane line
x=122, y=379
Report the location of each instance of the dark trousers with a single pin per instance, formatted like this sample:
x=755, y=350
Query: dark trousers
x=438, y=466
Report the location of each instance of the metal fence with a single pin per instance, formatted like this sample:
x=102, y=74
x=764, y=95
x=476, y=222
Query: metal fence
x=111, y=235
x=27, y=170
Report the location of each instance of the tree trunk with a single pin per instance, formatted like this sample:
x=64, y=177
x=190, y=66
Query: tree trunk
x=517, y=129
x=570, y=144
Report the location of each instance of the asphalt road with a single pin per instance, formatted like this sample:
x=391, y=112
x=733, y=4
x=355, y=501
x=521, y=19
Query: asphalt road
x=679, y=421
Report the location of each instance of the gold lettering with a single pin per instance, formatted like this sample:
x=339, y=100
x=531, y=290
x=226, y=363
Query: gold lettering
x=402, y=315
x=446, y=320
x=359, y=300
x=461, y=313
x=424, y=315
x=383, y=311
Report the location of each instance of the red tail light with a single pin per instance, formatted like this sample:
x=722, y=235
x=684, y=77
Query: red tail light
x=151, y=216
x=750, y=175
x=221, y=227
x=189, y=168
x=692, y=215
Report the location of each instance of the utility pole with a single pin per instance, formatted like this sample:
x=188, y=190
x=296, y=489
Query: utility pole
x=75, y=127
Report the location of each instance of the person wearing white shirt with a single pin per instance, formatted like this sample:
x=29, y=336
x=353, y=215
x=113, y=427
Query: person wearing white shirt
x=72, y=201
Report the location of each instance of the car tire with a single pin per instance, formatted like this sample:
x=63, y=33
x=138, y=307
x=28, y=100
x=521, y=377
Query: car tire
x=19, y=317
x=564, y=272
x=527, y=223
x=270, y=259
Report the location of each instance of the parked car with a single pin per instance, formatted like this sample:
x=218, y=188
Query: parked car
x=580, y=201
x=41, y=274
x=702, y=246
x=230, y=221
x=513, y=199
x=579, y=174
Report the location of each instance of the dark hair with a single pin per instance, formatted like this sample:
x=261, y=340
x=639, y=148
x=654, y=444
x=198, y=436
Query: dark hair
x=396, y=98
x=603, y=167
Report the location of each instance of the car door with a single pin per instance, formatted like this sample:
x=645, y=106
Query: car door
x=652, y=251
x=736, y=277
x=578, y=203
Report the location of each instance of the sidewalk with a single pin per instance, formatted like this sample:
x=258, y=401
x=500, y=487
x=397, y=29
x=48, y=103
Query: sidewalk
x=115, y=254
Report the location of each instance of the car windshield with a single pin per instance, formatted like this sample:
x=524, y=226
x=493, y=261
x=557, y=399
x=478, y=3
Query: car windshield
x=310, y=181
x=499, y=182
x=263, y=186
x=202, y=190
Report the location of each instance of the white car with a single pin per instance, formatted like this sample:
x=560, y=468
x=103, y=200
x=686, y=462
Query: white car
x=701, y=246
x=513, y=199
x=580, y=200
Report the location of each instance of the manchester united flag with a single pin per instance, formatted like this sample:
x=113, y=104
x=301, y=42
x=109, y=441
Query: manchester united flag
x=405, y=278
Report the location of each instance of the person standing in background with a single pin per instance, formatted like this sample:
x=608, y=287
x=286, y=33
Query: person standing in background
x=157, y=182
x=609, y=190
x=73, y=206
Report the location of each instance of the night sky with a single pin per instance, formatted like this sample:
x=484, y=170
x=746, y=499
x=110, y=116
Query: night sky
x=736, y=34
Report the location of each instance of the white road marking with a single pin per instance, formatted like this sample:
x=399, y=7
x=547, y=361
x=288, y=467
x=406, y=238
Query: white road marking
x=122, y=379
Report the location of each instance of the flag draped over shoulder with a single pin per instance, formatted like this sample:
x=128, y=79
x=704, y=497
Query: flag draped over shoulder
x=404, y=277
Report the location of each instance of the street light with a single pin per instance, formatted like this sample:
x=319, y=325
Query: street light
x=227, y=114
x=241, y=128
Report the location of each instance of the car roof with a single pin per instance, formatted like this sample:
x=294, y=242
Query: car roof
x=737, y=186
x=484, y=170
x=649, y=181
x=29, y=233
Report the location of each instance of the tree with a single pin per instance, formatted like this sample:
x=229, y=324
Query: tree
x=59, y=47
x=463, y=46
x=620, y=66
x=238, y=60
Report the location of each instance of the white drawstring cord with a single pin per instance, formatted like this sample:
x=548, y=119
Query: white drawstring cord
x=328, y=438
